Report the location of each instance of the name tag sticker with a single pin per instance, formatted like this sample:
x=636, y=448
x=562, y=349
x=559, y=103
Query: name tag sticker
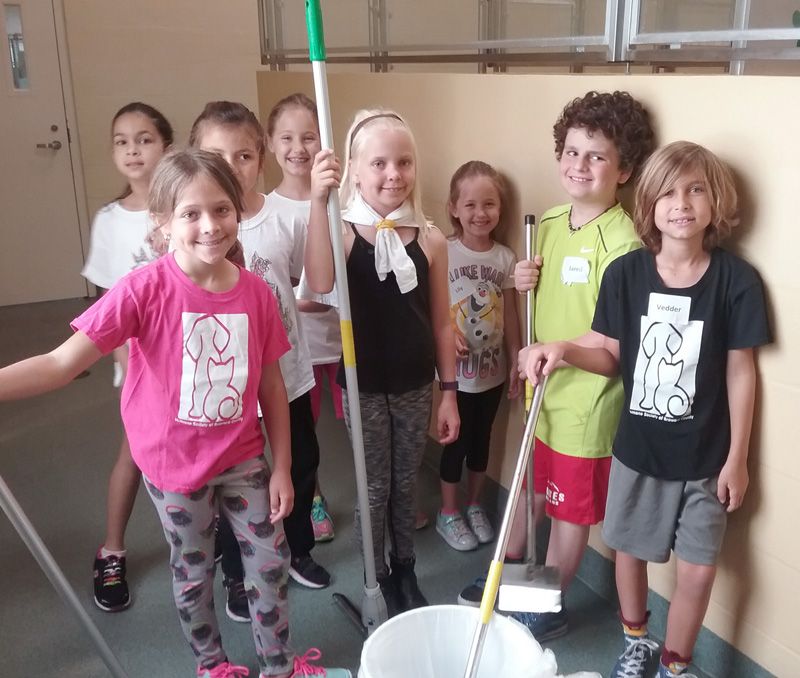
x=669, y=308
x=575, y=270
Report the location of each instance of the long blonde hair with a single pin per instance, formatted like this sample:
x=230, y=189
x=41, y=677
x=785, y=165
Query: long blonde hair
x=370, y=121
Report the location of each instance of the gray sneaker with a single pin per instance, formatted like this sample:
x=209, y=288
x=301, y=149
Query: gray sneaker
x=479, y=524
x=455, y=532
x=634, y=662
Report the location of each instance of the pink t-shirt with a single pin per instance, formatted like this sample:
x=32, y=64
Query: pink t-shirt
x=189, y=399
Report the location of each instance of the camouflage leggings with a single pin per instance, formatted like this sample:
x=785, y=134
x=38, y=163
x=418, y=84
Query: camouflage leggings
x=242, y=494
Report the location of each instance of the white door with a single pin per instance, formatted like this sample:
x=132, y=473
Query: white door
x=40, y=252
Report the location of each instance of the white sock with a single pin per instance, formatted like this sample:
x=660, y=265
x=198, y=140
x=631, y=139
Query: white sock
x=105, y=553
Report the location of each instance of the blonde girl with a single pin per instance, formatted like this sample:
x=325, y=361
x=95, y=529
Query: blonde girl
x=483, y=309
x=140, y=135
x=397, y=274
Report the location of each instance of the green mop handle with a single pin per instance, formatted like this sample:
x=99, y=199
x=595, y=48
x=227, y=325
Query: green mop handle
x=496, y=567
x=316, y=48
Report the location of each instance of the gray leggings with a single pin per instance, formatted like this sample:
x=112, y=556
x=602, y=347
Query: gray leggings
x=242, y=494
x=395, y=431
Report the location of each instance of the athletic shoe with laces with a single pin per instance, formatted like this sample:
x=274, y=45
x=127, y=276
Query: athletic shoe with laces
x=473, y=594
x=224, y=670
x=673, y=670
x=544, y=626
x=308, y=573
x=455, y=532
x=236, y=606
x=110, y=586
x=479, y=523
x=303, y=667
x=634, y=661
x=321, y=520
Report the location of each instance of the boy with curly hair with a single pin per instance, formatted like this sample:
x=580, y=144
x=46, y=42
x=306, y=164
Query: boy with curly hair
x=601, y=140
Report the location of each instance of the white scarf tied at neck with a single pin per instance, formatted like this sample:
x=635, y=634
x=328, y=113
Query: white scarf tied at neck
x=390, y=253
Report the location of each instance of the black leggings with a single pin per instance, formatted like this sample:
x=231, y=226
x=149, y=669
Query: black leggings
x=477, y=412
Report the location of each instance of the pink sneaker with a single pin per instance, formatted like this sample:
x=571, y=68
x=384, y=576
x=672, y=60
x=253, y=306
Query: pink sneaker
x=303, y=667
x=224, y=670
x=321, y=520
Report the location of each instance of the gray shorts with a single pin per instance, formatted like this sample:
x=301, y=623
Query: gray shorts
x=647, y=517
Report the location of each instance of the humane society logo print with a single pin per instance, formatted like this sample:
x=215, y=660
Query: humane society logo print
x=214, y=368
x=666, y=364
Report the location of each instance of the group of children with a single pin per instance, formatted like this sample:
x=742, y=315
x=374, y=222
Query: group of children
x=204, y=349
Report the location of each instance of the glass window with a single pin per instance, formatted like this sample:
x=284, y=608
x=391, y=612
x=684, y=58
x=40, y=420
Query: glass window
x=555, y=18
x=16, y=46
x=660, y=16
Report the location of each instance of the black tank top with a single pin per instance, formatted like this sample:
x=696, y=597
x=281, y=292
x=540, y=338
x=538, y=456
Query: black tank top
x=395, y=349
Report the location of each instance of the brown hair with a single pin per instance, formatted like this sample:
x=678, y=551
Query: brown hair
x=660, y=174
x=174, y=172
x=159, y=121
x=619, y=116
x=478, y=168
x=297, y=100
x=229, y=113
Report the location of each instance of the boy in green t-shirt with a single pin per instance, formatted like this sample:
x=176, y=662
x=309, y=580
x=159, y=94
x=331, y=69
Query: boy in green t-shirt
x=601, y=140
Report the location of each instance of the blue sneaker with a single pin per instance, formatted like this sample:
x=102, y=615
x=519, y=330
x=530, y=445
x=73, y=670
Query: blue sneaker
x=673, y=670
x=472, y=595
x=634, y=661
x=544, y=626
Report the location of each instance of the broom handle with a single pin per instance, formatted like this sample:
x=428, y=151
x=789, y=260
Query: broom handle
x=49, y=566
x=531, y=232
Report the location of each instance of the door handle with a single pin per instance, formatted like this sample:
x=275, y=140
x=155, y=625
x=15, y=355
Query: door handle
x=52, y=145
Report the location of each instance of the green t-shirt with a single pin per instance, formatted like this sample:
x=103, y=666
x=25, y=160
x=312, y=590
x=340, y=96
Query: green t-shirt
x=580, y=410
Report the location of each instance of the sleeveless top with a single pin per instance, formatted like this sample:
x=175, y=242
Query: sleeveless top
x=392, y=332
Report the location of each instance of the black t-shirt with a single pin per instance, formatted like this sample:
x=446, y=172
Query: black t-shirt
x=674, y=343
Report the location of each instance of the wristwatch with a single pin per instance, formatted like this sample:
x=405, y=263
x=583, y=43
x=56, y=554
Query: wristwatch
x=448, y=385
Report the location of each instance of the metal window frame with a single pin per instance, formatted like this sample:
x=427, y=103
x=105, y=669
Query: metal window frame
x=622, y=43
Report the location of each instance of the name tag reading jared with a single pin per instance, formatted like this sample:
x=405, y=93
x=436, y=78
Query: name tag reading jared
x=575, y=270
x=669, y=308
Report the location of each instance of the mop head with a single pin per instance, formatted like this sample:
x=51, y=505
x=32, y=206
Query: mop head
x=529, y=588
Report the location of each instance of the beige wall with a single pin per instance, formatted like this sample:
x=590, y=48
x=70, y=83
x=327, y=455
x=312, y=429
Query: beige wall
x=507, y=121
x=174, y=55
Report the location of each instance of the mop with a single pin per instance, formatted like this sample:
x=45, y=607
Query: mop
x=39, y=551
x=373, y=607
x=527, y=587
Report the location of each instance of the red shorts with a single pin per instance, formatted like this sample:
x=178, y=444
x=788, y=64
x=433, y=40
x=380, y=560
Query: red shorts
x=575, y=488
x=336, y=391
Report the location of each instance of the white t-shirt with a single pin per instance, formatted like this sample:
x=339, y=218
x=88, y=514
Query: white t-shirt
x=274, y=242
x=321, y=329
x=118, y=245
x=477, y=281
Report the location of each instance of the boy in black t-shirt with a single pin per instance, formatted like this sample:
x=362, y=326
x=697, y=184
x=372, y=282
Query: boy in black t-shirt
x=679, y=320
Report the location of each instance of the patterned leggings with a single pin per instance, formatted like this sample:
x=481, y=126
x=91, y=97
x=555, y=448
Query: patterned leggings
x=395, y=429
x=242, y=494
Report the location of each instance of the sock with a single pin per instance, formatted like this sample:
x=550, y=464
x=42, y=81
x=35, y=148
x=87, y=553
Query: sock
x=105, y=553
x=449, y=513
x=635, y=629
x=674, y=662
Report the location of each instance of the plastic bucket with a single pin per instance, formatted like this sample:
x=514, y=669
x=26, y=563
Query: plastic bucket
x=434, y=642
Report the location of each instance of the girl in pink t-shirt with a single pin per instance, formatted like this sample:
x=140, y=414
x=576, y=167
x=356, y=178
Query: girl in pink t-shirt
x=205, y=336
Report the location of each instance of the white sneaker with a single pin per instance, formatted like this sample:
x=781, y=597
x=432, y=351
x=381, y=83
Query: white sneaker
x=479, y=524
x=455, y=532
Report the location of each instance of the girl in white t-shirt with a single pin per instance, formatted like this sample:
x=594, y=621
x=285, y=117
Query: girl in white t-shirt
x=140, y=136
x=483, y=310
x=272, y=233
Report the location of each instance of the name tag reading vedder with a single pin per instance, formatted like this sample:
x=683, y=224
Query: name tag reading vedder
x=669, y=308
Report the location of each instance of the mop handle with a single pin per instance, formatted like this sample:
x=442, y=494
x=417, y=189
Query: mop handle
x=496, y=567
x=531, y=232
x=49, y=566
x=316, y=48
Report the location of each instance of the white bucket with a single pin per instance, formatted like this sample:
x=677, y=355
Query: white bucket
x=434, y=642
